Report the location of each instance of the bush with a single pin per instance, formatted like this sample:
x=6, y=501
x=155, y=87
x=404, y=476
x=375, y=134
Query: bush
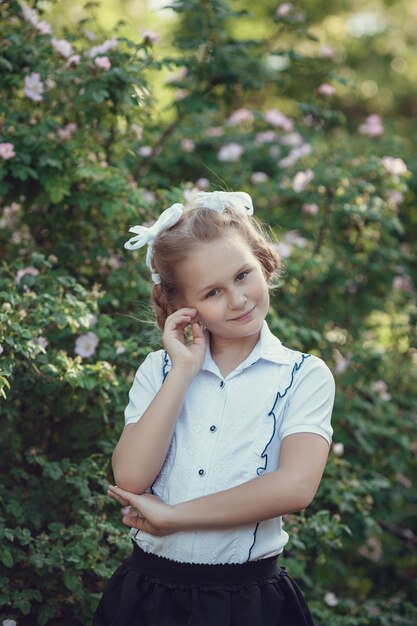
x=84, y=155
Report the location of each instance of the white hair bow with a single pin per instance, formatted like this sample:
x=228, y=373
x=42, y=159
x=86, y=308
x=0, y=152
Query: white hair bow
x=145, y=235
x=214, y=200
x=219, y=200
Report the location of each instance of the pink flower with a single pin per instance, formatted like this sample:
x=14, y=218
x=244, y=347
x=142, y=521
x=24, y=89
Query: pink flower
x=301, y=180
x=331, y=599
x=326, y=52
x=179, y=75
x=381, y=389
x=120, y=349
x=34, y=87
x=240, y=116
x=1, y=352
x=292, y=139
x=74, y=59
x=180, y=94
x=9, y=622
x=190, y=194
x=137, y=131
x=326, y=90
x=259, y=177
x=402, y=283
x=284, y=9
x=68, y=131
x=397, y=167
x=42, y=342
x=125, y=510
x=290, y=239
x=149, y=37
x=310, y=208
x=103, y=63
x=267, y=136
x=62, y=46
x=85, y=345
x=338, y=449
x=7, y=150
x=149, y=196
x=202, y=183
x=187, y=145
x=278, y=119
x=214, y=131
x=25, y=270
x=110, y=44
x=32, y=17
x=372, y=126
x=230, y=152
x=145, y=151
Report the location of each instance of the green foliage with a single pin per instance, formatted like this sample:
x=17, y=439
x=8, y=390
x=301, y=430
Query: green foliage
x=91, y=156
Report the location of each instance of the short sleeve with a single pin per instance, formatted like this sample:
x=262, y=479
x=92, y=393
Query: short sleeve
x=145, y=386
x=310, y=405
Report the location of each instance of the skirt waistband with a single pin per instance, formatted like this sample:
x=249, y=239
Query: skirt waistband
x=157, y=566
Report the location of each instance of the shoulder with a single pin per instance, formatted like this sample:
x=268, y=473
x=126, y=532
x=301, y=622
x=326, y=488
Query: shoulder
x=153, y=363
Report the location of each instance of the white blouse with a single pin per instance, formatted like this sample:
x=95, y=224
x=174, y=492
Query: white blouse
x=229, y=431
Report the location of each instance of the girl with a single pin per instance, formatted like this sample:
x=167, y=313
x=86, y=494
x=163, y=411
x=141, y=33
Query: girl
x=224, y=433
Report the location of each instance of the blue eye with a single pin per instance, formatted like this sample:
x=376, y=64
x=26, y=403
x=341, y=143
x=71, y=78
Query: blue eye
x=211, y=293
x=242, y=275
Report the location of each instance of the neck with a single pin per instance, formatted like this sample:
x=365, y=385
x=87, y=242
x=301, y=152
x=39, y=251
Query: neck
x=228, y=353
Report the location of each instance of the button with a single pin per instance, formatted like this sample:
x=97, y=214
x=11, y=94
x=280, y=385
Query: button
x=201, y=472
x=222, y=384
x=213, y=428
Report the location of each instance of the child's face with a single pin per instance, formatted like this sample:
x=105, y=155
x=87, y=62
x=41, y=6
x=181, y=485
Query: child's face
x=226, y=283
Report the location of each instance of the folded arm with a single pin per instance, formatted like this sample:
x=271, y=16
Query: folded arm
x=291, y=488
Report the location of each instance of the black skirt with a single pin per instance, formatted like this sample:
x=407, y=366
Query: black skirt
x=149, y=590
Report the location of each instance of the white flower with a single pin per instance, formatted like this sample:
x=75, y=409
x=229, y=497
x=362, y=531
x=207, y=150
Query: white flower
x=180, y=94
x=230, y=152
x=187, y=144
x=34, y=87
x=402, y=283
x=177, y=76
x=284, y=9
x=331, y=599
x=372, y=126
x=31, y=16
x=9, y=622
x=301, y=180
x=110, y=44
x=240, y=116
x=62, y=46
x=25, y=270
x=259, y=177
x=326, y=90
x=103, y=63
x=7, y=150
x=278, y=119
x=338, y=449
x=1, y=352
x=394, y=166
x=310, y=208
x=149, y=196
x=85, y=345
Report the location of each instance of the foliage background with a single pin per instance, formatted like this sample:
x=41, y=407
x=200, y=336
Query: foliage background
x=229, y=96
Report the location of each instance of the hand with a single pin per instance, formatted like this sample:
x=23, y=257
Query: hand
x=189, y=356
x=148, y=512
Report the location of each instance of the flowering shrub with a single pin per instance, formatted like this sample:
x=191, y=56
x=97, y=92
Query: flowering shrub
x=83, y=156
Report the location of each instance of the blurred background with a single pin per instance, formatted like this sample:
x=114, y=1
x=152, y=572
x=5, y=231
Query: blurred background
x=109, y=113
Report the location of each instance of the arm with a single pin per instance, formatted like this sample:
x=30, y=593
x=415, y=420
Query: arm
x=291, y=488
x=142, y=447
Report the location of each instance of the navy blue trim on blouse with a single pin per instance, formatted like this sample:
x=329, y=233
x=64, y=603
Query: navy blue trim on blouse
x=264, y=455
x=165, y=365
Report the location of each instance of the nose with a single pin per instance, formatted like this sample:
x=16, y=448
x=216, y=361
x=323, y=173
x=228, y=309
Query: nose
x=237, y=299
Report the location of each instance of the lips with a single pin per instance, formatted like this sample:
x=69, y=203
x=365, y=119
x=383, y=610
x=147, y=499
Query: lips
x=235, y=319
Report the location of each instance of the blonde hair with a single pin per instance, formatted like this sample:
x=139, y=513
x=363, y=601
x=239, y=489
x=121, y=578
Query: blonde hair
x=198, y=225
